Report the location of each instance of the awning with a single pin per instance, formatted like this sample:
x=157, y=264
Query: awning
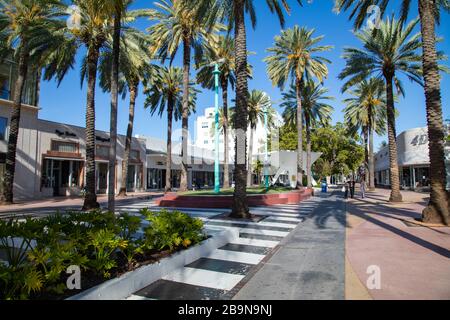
x=63, y=159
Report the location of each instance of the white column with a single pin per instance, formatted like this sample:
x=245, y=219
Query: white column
x=70, y=173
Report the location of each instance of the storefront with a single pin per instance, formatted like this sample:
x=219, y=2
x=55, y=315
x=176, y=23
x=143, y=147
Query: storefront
x=413, y=161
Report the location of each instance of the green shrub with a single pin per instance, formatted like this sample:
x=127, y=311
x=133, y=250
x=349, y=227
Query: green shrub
x=171, y=230
x=104, y=244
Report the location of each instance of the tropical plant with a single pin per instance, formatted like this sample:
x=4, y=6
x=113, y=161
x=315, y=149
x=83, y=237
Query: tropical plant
x=29, y=29
x=387, y=53
x=258, y=104
x=179, y=25
x=315, y=111
x=366, y=111
x=429, y=12
x=165, y=94
x=134, y=68
x=234, y=11
x=221, y=50
x=293, y=56
x=171, y=230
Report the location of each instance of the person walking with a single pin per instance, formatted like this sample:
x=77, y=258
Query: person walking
x=346, y=190
x=363, y=187
x=352, y=188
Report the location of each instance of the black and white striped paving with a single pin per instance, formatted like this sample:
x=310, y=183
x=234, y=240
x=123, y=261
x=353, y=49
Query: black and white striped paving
x=214, y=276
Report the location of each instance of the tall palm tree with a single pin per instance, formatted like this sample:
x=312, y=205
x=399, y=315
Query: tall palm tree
x=258, y=103
x=366, y=111
x=223, y=50
x=96, y=18
x=28, y=31
x=134, y=68
x=165, y=94
x=387, y=53
x=315, y=111
x=179, y=25
x=429, y=11
x=294, y=57
x=234, y=11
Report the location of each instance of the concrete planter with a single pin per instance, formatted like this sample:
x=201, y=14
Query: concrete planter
x=130, y=282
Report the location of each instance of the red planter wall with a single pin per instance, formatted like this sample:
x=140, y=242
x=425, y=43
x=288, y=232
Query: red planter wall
x=178, y=201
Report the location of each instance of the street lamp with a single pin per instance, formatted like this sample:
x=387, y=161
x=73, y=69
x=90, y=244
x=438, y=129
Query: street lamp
x=216, y=73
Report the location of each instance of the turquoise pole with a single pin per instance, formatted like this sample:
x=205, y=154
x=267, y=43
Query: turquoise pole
x=216, y=129
x=266, y=156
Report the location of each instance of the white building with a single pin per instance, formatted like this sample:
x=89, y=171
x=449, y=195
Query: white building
x=413, y=161
x=205, y=139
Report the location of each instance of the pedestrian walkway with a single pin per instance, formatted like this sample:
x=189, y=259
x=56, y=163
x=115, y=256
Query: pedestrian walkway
x=45, y=207
x=413, y=260
x=225, y=270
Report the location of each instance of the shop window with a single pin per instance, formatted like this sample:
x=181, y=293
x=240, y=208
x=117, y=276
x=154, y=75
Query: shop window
x=134, y=154
x=64, y=146
x=102, y=151
x=3, y=126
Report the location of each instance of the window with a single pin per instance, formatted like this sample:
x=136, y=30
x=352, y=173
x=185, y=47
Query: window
x=64, y=146
x=3, y=125
x=205, y=142
x=134, y=154
x=5, y=70
x=102, y=151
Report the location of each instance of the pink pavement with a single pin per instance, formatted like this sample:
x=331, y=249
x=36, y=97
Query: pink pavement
x=414, y=261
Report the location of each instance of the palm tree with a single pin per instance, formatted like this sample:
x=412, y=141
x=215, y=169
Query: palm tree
x=429, y=12
x=388, y=52
x=234, y=11
x=28, y=32
x=165, y=94
x=93, y=32
x=222, y=50
x=366, y=111
x=258, y=103
x=293, y=56
x=134, y=68
x=178, y=25
x=315, y=111
x=118, y=7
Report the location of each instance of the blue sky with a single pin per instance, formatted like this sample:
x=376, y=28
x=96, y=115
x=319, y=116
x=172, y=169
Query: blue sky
x=67, y=102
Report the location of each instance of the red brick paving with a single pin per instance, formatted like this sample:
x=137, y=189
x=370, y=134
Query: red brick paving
x=414, y=261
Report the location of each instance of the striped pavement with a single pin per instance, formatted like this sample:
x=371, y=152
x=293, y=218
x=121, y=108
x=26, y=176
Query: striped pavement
x=214, y=276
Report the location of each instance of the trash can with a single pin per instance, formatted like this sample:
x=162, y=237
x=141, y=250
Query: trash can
x=324, y=187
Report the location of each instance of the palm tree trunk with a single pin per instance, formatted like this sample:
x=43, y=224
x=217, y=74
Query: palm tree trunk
x=170, y=105
x=438, y=207
x=8, y=182
x=393, y=160
x=308, y=154
x=249, y=161
x=371, y=162
x=126, y=157
x=185, y=113
x=240, y=205
x=298, y=89
x=226, y=172
x=366, y=149
x=113, y=119
x=90, y=200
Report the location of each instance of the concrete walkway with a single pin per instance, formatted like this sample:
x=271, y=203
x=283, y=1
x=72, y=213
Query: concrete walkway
x=51, y=205
x=310, y=262
x=414, y=260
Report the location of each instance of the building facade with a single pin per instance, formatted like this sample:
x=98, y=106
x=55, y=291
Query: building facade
x=413, y=161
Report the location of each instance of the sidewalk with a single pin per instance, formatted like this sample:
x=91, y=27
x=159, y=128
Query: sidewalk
x=414, y=260
x=71, y=202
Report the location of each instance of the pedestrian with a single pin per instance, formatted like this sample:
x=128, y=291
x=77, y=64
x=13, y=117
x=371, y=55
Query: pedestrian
x=346, y=190
x=363, y=188
x=352, y=188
